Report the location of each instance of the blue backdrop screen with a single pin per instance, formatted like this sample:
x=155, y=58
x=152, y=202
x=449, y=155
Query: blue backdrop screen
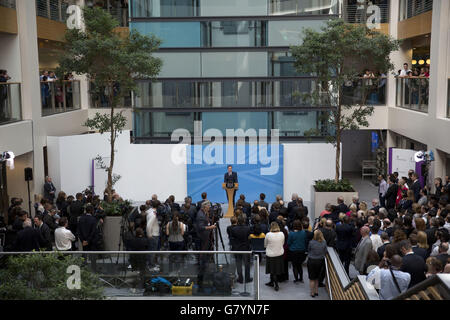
x=256, y=173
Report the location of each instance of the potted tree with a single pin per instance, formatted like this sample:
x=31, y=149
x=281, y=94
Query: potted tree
x=337, y=55
x=116, y=213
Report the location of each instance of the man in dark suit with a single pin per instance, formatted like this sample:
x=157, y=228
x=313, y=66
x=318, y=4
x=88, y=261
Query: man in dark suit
x=49, y=190
x=75, y=211
x=230, y=178
x=381, y=249
x=204, y=231
x=391, y=193
x=443, y=253
x=261, y=201
x=239, y=242
x=344, y=242
x=412, y=263
x=417, y=250
x=416, y=187
x=247, y=207
x=45, y=237
x=87, y=230
x=204, y=198
x=27, y=238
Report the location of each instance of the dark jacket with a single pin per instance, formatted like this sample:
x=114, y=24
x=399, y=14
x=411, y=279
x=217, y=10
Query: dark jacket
x=45, y=237
x=76, y=209
x=264, y=204
x=416, y=267
x=202, y=233
x=382, y=249
x=391, y=196
x=416, y=189
x=421, y=252
x=330, y=236
x=344, y=234
x=49, y=187
x=27, y=240
x=239, y=238
x=230, y=178
x=87, y=230
x=49, y=220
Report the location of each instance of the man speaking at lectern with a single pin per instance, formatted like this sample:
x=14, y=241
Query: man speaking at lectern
x=230, y=179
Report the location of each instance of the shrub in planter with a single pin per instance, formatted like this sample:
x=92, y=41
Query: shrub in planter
x=330, y=185
x=44, y=277
x=116, y=208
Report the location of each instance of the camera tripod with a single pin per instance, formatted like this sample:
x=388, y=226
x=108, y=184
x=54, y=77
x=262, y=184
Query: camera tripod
x=218, y=236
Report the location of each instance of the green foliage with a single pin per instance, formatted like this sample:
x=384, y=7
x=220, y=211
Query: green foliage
x=340, y=52
x=111, y=63
x=44, y=277
x=116, y=208
x=330, y=185
x=102, y=122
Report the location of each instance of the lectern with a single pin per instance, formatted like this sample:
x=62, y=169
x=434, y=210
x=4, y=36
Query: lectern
x=230, y=192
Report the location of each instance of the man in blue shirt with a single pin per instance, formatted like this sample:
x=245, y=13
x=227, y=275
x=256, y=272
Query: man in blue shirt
x=384, y=279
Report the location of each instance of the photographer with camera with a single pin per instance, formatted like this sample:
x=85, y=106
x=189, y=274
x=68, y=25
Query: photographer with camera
x=204, y=230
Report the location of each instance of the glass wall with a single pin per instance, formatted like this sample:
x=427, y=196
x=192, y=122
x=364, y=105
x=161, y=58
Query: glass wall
x=206, y=34
x=10, y=102
x=162, y=124
x=295, y=124
x=149, y=124
x=172, y=34
x=225, y=93
x=287, y=33
x=303, y=7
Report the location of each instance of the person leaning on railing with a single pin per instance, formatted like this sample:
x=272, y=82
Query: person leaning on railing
x=3, y=94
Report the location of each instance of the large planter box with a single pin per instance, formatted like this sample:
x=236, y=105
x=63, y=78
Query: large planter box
x=111, y=233
x=320, y=199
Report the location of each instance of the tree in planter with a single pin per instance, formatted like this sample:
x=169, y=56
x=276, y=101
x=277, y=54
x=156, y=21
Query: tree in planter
x=111, y=63
x=338, y=54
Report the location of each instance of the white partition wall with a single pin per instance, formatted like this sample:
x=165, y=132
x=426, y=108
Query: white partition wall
x=304, y=163
x=147, y=169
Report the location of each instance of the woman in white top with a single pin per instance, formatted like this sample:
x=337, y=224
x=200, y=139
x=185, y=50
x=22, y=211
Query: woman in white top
x=273, y=243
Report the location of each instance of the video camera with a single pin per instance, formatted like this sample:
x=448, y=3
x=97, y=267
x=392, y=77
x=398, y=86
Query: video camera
x=215, y=212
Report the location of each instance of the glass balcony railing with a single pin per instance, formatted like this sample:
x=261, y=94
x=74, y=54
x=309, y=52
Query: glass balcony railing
x=150, y=274
x=60, y=96
x=412, y=8
x=99, y=98
x=294, y=92
x=156, y=124
x=10, y=102
x=369, y=91
x=413, y=93
x=358, y=13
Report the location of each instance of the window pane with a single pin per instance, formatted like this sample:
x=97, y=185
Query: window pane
x=162, y=124
x=303, y=7
x=287, y=33
x=172, y=34
x=234, y=64
x=164, y=8
x=211, y=8
x=180, y=65
x=234, y=33
x=235, y=120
